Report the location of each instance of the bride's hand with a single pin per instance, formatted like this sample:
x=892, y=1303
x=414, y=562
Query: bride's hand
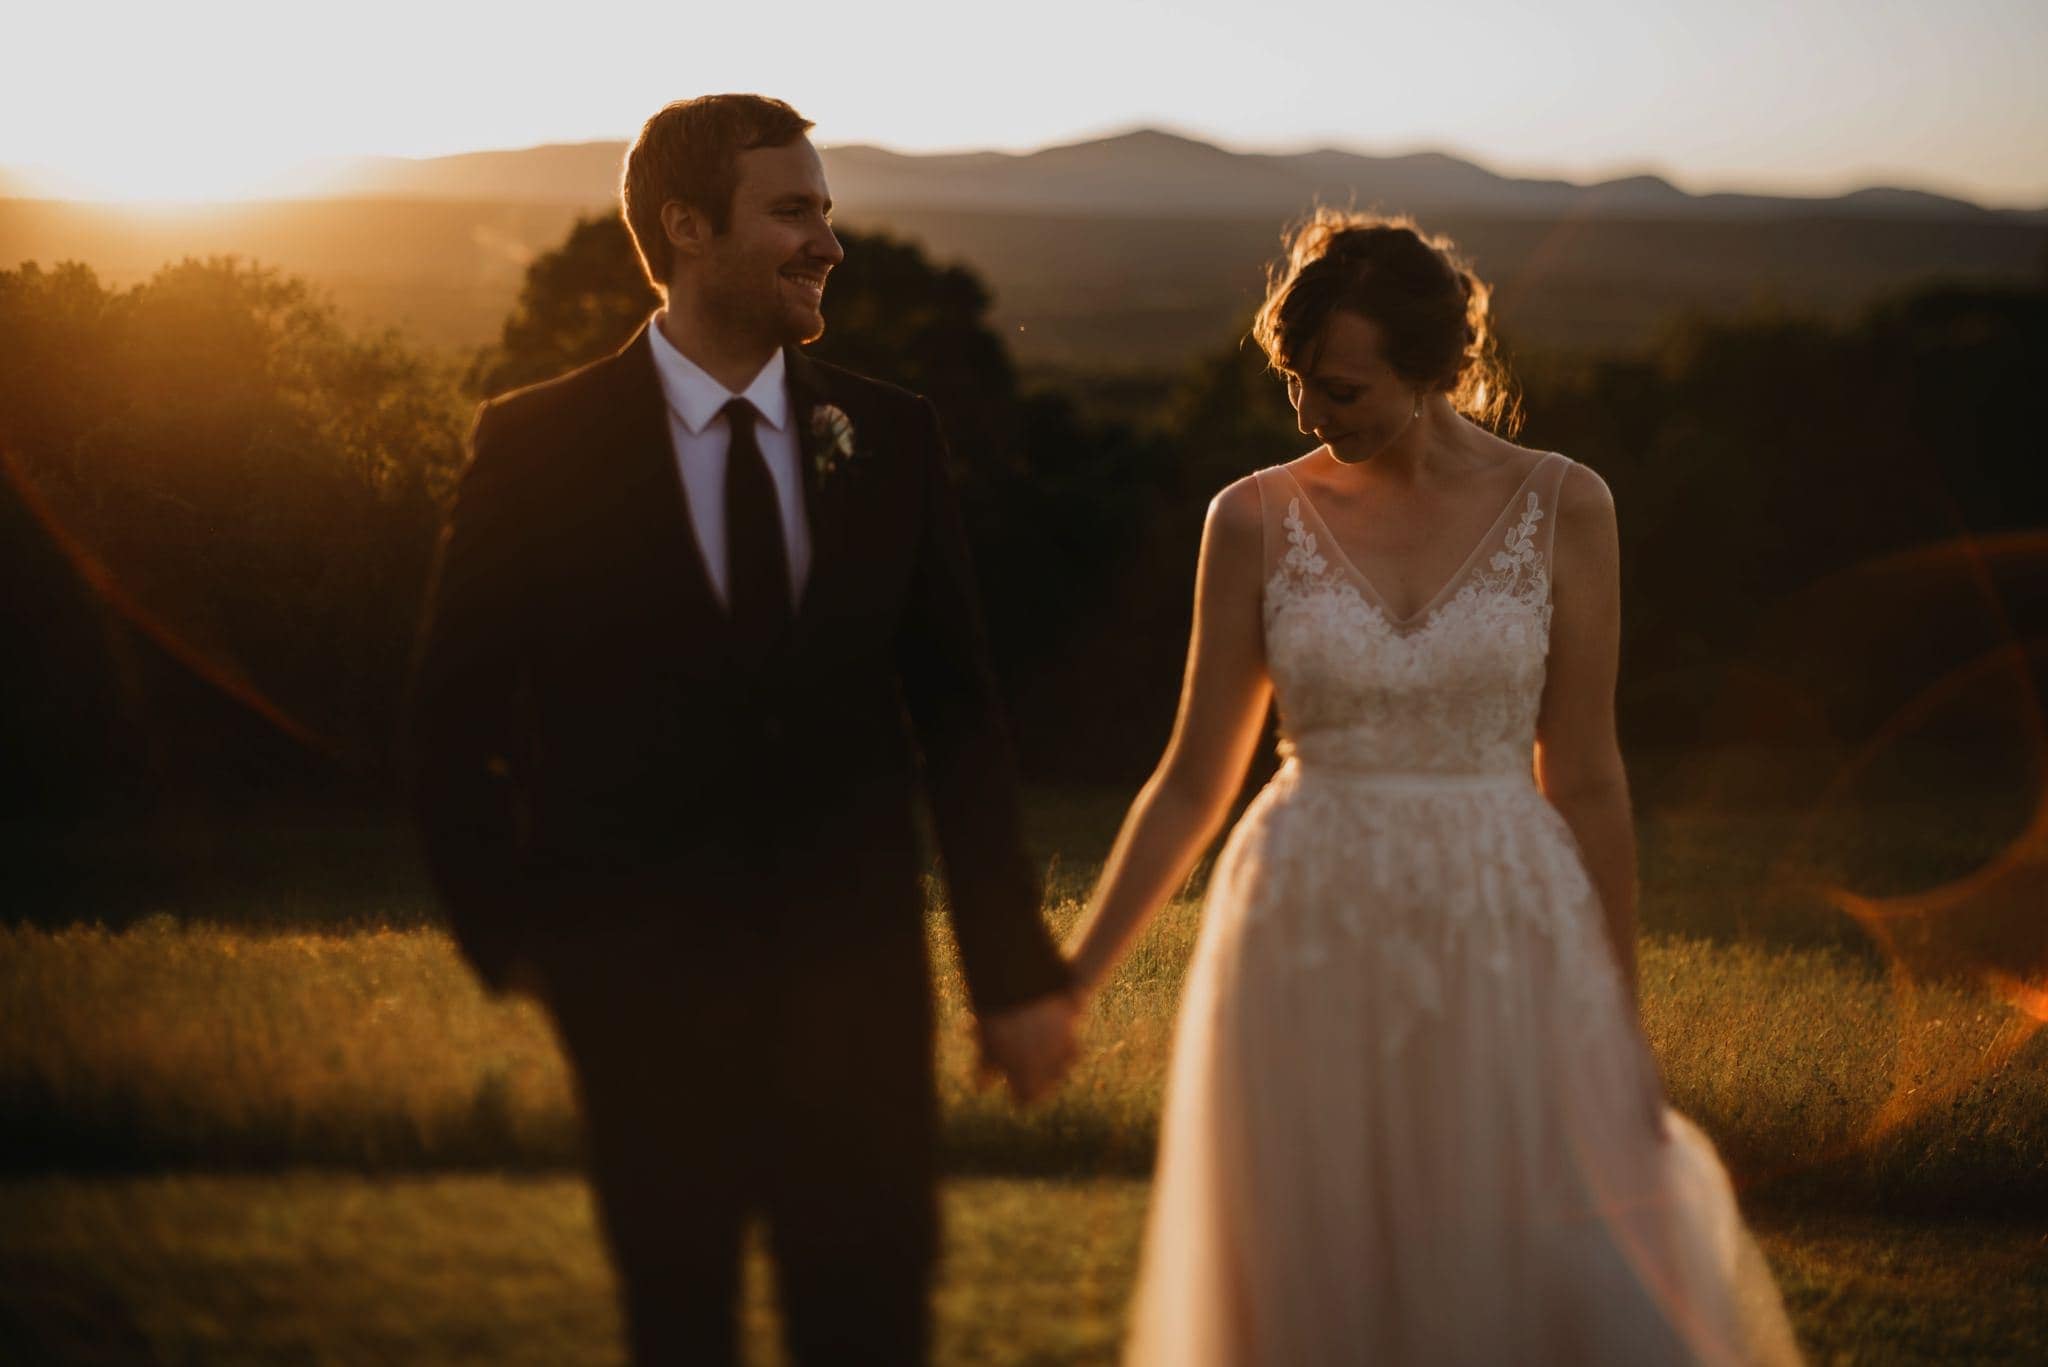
x=1031, y=1045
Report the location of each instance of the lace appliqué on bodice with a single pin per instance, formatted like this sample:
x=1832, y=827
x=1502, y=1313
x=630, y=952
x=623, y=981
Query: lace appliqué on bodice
x=1455, y=691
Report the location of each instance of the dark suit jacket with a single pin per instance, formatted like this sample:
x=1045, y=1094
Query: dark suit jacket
x=587, y=754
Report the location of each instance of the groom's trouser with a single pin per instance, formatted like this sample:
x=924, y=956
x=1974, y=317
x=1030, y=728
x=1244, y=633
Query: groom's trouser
x=741, y=1079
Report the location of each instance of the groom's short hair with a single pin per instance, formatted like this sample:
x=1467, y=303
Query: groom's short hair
x=690, y=151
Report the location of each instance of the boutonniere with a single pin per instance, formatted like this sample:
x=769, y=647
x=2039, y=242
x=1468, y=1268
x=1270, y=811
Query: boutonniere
x=833, y=444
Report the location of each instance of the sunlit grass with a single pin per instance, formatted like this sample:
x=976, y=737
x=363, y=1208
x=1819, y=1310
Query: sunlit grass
x=171, y=1045
x=194, y=1048
x=198, y=1045
x=275, y=1035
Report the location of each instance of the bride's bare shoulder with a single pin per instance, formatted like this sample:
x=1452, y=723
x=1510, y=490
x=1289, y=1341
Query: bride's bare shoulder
x=1586, y=530
x=1582, y=496
x=1237, y=507
x=1235, y=527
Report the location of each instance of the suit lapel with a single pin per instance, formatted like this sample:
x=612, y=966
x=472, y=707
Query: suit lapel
x=824, y=495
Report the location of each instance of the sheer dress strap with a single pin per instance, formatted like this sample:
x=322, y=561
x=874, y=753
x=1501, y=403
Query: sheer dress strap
x=1273, y=495
x=1548, y=483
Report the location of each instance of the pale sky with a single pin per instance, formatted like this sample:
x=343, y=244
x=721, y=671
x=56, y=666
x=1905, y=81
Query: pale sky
x=1807, y=96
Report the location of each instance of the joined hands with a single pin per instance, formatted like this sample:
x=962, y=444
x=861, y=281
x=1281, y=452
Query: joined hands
x=1031, y=1046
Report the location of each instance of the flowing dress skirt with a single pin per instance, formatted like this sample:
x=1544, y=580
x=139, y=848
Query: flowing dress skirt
x=1406, y=1117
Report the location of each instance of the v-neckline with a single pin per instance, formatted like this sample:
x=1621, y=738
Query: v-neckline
x=1435, y=600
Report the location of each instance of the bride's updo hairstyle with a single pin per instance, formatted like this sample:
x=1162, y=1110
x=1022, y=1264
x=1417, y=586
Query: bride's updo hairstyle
x=1430, y=308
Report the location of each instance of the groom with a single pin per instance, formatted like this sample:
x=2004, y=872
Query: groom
x=701, y=621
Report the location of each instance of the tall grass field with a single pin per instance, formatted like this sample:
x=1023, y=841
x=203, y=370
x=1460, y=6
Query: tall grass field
x=223, y=1139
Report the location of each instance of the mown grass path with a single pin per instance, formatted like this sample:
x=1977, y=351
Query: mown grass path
x=327, y=1268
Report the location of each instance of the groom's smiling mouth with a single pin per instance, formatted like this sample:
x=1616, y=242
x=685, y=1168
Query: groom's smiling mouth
x=811, y=282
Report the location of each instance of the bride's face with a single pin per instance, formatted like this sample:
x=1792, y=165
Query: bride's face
x=1346, y=395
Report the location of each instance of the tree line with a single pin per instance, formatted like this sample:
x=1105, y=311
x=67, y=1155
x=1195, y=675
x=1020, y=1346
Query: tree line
x=219, y=503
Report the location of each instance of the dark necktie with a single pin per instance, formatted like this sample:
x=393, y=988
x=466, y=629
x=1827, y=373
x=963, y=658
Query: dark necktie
x=757, y=583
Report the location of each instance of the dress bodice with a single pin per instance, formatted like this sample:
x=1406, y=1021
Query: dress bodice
x=1453, y=690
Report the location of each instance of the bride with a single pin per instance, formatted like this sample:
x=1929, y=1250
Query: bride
x=1411, y=1115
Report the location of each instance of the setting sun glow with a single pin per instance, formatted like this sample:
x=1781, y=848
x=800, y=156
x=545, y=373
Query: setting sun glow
x=193, y=179
x=226, y=98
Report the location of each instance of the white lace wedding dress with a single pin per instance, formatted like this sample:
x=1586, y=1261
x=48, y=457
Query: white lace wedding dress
x=1405, y=1120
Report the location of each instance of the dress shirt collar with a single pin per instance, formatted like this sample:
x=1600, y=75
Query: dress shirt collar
x=696, y=398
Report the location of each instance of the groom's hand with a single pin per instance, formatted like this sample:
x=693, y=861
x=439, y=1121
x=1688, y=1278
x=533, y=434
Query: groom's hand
x=1031, y=1045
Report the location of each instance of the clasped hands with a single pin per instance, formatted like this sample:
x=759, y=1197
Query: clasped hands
x=1031, y=1046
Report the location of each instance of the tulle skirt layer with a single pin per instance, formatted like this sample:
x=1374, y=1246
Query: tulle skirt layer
x=1406, y=1120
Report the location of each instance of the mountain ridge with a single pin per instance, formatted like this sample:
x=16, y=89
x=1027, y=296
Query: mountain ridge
x=1141, y=171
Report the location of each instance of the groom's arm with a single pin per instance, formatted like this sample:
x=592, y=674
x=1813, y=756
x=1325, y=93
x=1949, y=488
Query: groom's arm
x=463, y=708
x=969, y=768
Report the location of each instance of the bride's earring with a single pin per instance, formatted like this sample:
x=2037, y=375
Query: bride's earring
x=1418, y=407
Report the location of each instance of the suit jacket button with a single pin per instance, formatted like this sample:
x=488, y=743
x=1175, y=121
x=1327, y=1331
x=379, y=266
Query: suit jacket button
x=771, y=729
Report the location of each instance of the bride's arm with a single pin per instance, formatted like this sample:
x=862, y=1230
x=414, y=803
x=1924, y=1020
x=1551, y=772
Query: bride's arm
x=1578, y=757
x=1222, y=710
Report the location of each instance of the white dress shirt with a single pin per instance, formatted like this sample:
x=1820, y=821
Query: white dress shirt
x=698, y=431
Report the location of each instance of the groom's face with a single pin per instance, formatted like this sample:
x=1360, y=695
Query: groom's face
x=765, y=275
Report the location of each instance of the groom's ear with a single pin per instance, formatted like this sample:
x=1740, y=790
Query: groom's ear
x=685, y=228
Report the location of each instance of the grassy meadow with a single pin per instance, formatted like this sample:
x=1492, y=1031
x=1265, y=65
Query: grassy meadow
x=199, y=1047
x=314, y=1138
x=484, y=1267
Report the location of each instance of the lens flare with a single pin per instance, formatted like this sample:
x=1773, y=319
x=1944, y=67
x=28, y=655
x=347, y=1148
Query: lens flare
x=130, y=603
x=1983, y=929
x=1939, y=620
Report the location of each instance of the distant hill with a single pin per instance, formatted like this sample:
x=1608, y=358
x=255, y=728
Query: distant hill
x=1091, y=291
x=1143, y=173
x=1130, y=252
x=559, y=173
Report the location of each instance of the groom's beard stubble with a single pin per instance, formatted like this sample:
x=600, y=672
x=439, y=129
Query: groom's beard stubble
x=771, y=321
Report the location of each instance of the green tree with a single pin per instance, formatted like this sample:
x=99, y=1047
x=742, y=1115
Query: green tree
x=580, y=301
x=247, y=486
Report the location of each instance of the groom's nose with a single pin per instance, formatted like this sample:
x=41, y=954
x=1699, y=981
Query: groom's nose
x=824, y=245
